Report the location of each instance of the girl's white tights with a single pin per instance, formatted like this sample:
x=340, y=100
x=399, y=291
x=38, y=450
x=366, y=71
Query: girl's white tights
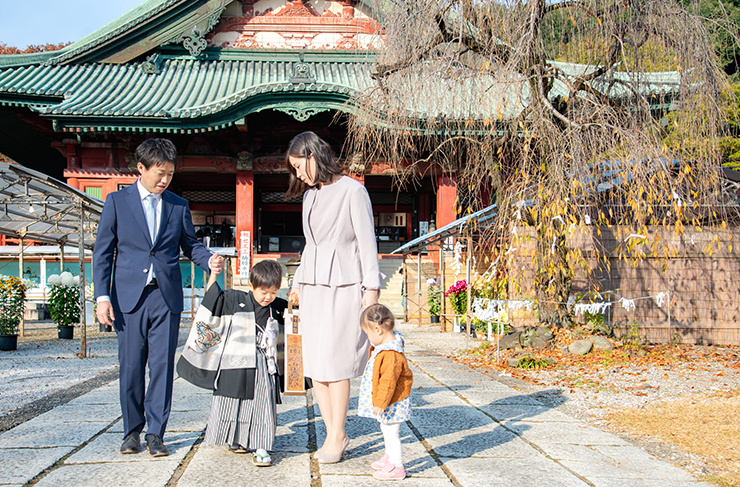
x=392, y=443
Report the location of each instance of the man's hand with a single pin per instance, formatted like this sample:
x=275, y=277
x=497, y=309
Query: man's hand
x=105, y=313
x=370, y=297
x=216, y=264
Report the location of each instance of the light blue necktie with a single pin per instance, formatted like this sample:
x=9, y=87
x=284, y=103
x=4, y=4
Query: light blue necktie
x=151, y=215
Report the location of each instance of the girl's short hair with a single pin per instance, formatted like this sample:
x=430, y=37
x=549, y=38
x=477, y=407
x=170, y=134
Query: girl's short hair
x=379, y=315
x=266, y=274
x=305, y=145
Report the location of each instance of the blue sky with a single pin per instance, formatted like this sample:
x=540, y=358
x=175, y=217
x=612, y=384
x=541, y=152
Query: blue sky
x=53, y=21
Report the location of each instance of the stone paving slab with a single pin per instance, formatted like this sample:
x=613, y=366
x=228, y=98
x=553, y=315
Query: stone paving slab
x=133, y=474
x=482, y=442
x=369, y=481
x=454, y=417
x=598, y=482
x=19, y=466
x=368, y=447
x=50, y=431
x=540, y=472
x=83, y=412
x=107, y=395
x=194, y=420
x=634, y=459
x=563, y=433
x=214, y=465
x=501, y=397
x=504, y=412
x=105, y=448
x=292, y=430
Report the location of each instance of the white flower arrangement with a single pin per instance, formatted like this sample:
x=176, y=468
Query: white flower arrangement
x=64, y=298
x=65, y=279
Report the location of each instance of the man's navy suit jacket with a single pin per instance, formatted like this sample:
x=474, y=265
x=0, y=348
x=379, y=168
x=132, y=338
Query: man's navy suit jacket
x=124, y=251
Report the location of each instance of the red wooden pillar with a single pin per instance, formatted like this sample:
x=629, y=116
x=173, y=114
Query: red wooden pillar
x=74, y=182
x=446, y=195
x=244, y=222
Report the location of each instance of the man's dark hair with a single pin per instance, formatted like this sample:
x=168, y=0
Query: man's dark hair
x=266, y=274
x=156, y=152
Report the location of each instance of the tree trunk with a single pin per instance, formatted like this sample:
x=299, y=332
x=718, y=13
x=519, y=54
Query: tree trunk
x=553, y=280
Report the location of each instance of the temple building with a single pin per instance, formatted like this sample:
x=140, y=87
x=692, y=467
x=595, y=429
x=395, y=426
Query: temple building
x=230, y=83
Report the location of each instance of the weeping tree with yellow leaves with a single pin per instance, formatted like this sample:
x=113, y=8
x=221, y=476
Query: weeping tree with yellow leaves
x=573, y=112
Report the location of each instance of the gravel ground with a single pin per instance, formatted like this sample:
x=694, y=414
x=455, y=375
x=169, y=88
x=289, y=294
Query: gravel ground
x=46, y=372
x=591, y=393
x=44, y=364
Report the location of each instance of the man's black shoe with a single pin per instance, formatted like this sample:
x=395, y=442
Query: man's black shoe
x=131, y=443
x=156, y=447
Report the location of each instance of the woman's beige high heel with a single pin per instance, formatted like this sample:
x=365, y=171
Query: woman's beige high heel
x=329, y=458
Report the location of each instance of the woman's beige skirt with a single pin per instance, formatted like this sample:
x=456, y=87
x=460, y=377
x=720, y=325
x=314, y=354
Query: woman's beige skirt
x=334, y=346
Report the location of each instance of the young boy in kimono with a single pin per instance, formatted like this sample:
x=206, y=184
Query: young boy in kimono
x=232, y=349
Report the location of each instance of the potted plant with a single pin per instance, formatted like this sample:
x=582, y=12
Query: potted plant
x=458, y=294
x=12, y=307
x=64, y=302
x=434, y=300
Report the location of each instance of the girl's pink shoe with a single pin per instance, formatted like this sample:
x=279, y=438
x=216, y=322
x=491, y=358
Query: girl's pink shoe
x=380, y=464
x=390, y=472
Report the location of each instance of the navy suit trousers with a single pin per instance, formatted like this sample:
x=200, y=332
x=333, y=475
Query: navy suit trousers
x=148, y=334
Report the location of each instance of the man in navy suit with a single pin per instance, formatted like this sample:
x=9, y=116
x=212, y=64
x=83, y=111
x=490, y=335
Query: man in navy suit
x=138, y=288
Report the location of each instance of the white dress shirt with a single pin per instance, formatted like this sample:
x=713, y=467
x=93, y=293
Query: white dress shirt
x=143, y=193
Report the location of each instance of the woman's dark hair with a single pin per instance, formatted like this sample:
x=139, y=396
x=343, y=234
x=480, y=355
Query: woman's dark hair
x=306, y=145
x=378, y=314
x=266, y=274
x=156, y=152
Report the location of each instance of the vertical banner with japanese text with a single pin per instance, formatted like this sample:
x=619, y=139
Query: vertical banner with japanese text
x=245, y=253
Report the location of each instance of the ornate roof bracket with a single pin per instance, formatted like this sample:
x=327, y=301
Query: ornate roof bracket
x=194, y=40
x=152, y=65
x=301, y=111
x=302, y=72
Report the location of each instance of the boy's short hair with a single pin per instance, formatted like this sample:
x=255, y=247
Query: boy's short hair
x=156, y=152
x=266, y=274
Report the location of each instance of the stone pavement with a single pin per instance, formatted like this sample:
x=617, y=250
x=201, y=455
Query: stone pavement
x=467, y=430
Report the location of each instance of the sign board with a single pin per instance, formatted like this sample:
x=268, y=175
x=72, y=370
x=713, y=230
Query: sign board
x=245, y=253
x=294, y=381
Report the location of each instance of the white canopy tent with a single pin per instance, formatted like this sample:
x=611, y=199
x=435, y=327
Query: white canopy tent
x=34, y=206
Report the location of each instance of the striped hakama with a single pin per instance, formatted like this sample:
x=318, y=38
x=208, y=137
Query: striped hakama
x=250, y=423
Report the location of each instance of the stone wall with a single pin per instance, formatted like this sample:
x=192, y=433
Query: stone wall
x=700, y=272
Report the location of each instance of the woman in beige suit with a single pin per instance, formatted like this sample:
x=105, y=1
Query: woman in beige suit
x=338, y=277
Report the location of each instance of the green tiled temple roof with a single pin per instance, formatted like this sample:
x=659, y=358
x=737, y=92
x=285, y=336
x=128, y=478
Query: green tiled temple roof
x=182, y=94
x=152, y=24
x=121, y=25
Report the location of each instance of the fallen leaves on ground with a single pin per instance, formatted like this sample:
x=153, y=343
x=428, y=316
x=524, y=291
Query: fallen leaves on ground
x=692, y=399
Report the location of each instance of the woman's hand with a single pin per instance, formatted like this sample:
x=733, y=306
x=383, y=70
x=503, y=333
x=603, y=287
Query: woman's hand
x=370, y=297
x=293, y=296
x=378, y=411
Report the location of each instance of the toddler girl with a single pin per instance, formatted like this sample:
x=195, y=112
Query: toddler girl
x=386, y=387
